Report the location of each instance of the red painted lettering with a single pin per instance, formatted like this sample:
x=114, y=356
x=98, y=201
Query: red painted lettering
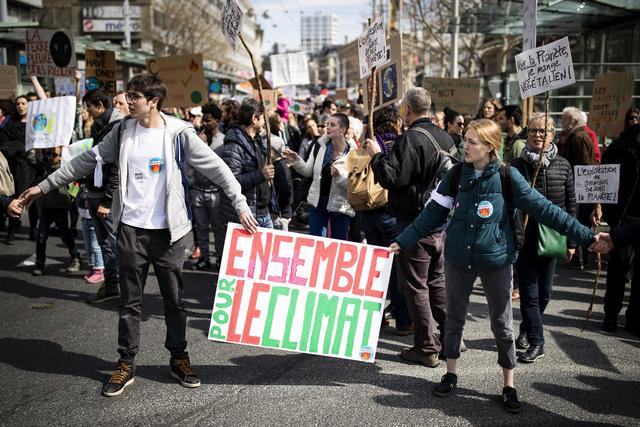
x=373, y=273
x=235, y=309
x=296, y=261
x=262, y=251
x=328, y=255
x=252, y=313
x=357, y=290
x=346, y=258
x=235, y=252
x=281, y=260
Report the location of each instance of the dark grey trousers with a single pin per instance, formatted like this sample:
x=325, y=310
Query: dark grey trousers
x=497, y=285
x=107, y=240
x=205, y=212
x=138, y=249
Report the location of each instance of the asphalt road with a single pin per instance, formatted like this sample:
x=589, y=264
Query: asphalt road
x=56, y=351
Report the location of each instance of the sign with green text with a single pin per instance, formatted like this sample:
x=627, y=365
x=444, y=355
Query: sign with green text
x=300, y=293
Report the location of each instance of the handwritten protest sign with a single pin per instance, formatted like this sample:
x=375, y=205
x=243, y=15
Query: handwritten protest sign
x=597, y=183
x=231, y=22
x=100, y=70
x=298, y=108
x=50, y=122
x=290, y=69
x=50, y=53
x=529, y=19
x=372, y=48
x=270, y=99
x=461, y=95
x=544, y=68
x=184, y=77
x=75, y=149
x=8, y=82
x=389, y=77
x=300, y=293
x=610, y=100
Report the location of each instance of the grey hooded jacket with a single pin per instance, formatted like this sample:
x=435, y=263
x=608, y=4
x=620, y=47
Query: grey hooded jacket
x=196, y=154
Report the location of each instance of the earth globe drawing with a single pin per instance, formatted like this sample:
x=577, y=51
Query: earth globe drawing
x=39, y=123
x=389, y=82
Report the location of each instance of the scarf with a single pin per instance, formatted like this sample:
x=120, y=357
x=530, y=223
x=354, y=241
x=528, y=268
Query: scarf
x=386, y=138
x=532, y=157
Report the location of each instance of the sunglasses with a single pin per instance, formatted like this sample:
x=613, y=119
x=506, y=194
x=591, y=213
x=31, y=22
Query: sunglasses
x=633, y=118
x=460, y=124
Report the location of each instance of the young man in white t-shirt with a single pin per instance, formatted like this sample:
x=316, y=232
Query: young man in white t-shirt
x=151, y=215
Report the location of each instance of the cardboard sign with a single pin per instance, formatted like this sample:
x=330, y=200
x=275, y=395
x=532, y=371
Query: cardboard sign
x=8, y=82
x=50, y=122
x=390, y=83
x=461, y=95
x=545, y=68
x=342, y=94
x=597, y=183
x=231, y=22
x=300, y=293
x=290, y=69
x=372, y=48
x=184, y=77
x=530, y=19
x=298, y=108
x=270, y=99
x=100, y=70
x=50, y=53
x=610, y=100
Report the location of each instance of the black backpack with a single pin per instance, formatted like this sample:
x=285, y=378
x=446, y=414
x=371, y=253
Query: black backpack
x=507, y=193
x=445, y=160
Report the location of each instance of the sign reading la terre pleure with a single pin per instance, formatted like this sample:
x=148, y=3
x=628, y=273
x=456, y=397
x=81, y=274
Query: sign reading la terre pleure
x=300, y=293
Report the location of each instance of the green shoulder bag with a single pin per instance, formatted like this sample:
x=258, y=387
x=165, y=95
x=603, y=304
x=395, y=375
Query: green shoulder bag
x=551, y=243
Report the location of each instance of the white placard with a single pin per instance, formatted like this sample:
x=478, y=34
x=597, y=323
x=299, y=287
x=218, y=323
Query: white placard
x=74, y=150
x=544, y=68
x=530, y=18
x=597, y=183
x=50, y=122
x=290, y=69
x=372, y=48
x=231, y=22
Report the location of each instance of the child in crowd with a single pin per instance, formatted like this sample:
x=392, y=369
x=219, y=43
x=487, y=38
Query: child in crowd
x=94, y=253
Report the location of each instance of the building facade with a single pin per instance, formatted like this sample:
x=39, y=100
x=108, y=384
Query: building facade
x=318, y=31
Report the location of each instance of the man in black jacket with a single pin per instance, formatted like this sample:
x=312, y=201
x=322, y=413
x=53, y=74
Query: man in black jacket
x=99, y=195
x=405, y=172
x=246, y=156
x=625, y=151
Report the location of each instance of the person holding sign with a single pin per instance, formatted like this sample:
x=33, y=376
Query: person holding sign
x=151, y=214
x=328, y=192
x=480, y=242
x=535, y=273
x=624, y=151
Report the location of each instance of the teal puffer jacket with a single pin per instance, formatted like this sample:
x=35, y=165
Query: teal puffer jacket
x=480, y=236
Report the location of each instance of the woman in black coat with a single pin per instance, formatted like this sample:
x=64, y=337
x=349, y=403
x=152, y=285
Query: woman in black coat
x=535, y=273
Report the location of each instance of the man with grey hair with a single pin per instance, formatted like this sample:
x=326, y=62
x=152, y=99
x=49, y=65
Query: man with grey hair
x=576, y=146
x=406, y=170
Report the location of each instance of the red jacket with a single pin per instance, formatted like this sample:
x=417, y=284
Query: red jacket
x=594, y=138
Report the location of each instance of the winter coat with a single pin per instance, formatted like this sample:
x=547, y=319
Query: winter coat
x=578, y=148
x=513, y=146
x=409, y=168
x=25, y=166
x=480, y=236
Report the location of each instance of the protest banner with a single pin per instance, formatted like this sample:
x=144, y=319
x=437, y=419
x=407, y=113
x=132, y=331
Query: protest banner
x=544, y=68
x=100, y=70
x=342, y=94
x=372, y=48
x=610, y=100
x=64, y=86
x=597, y=183
x=289, y=69
x=298, y=108
x=8, y=82
x=231, y=22
x=50, y=53
x=50, y=122
x=389, y=78
x=183, y=75
x=270, y=99
x=75, y=149
x=300, y=293
x=461, y=95
x=529, y=20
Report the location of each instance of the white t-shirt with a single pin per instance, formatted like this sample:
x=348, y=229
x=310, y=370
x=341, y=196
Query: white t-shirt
x=145, y=199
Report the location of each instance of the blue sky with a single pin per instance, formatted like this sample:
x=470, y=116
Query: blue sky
x=285, y=14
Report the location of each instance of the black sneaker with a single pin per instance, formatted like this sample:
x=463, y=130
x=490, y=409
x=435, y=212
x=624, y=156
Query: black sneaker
x=522, y=342
x=38, y=270
x=446, y=386
x=181, y=370
x=510, y=401
x=610, y=324
x=121, y=378
x=201, y=265
x=106, y=292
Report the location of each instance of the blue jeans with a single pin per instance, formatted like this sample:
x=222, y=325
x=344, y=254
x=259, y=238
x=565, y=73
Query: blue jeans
x=535, y=280
x=91, y=243
x=264, y=221
x=320, y=218
x=381, y=229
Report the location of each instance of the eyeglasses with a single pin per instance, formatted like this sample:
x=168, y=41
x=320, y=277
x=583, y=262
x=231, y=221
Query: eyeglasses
x=533, y=131
x=133, y=97
x=460, y=124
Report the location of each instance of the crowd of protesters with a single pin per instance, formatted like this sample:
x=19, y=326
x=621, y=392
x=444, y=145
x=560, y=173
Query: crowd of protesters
x=211, y=166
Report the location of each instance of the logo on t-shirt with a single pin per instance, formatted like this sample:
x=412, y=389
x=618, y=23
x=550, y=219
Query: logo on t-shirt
x=485, y=209
x=156, y=165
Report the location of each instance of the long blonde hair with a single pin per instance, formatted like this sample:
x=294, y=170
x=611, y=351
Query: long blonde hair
x=489, y=133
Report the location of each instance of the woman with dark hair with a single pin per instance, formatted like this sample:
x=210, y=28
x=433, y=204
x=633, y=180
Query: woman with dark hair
x=7, y=110
x=328, y=192
x=23, y=164
x=454, y=125
x=489, y=110
x=631, y=118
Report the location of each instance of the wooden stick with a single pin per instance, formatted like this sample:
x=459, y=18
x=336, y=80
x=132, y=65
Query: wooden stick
x=264, y=112
x=372, y=96
x=595, y=286
x=539, y=165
